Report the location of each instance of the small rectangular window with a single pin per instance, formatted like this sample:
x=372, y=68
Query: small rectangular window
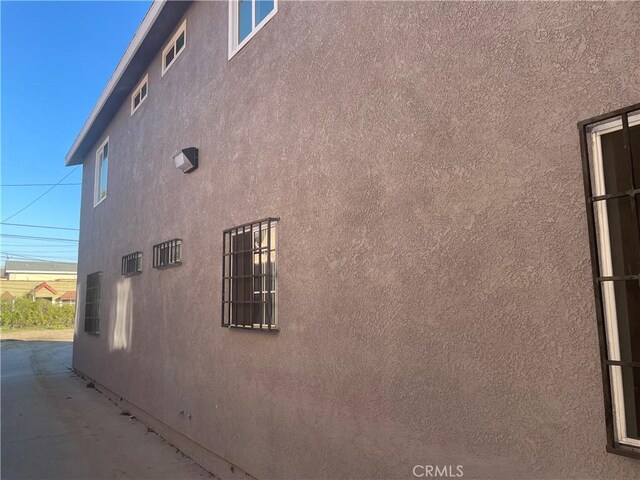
x=101, y=173
x=167, y=254
x=139, y=94
x=611, y=165
x=249, y=275
x=246, y=18
x=92, y=303
x=132, y=263
x=174, y=48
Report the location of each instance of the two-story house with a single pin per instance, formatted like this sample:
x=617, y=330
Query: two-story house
x=366, y=239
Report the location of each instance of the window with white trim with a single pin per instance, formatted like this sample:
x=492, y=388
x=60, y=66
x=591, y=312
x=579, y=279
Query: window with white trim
x=175, y=47
x=139, y=94
x=101, y=173
x=611, y=162
x=246, y=18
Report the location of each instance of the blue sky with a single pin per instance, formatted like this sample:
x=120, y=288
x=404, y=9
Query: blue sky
x=56, y=59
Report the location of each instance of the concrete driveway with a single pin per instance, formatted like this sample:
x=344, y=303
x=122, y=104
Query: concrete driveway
x=54, y=427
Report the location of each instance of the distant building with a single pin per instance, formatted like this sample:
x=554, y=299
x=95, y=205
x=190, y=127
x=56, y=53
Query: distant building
x=44, y=291
x=6, y=296
x=68, y=297
x=46, y=271
x=60, y=291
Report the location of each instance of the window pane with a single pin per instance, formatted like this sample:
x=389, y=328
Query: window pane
x=227, y=290
x=103, y=177
x=257, y=271
x=244, y=19
x=629, y=379
x=258, y=308
x=272, y=240
x=622, y=309
x=263, y=8
x=634, y=134
x=269, y=309
x=225, y=314
x=136, y=101
x=618, y=239
x=615, y=165
x=143, y=91
x=180, y=42
x=168, y=57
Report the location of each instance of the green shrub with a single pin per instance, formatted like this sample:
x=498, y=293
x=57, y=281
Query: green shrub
x=23, y=313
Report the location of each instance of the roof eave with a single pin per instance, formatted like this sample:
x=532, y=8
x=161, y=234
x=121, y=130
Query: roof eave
x=159, y=22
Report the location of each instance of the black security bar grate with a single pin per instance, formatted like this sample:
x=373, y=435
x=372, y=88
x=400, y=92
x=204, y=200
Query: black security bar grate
x=249, y=280
x=92, y=303
x=611, y=170
x=167, y=254
x=132, y=263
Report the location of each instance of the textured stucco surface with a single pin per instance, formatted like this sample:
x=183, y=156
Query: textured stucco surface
x=435, y=296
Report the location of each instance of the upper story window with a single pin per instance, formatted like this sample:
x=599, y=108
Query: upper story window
x=101, y=173
x=249, y=281
x=246, y=17
x=174, y=48
x=139, y=94
x=611, y=164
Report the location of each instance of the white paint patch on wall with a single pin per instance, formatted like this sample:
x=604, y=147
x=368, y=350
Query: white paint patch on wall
x=121, y=317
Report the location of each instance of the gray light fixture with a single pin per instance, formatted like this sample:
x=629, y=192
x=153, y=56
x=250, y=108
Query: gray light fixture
x=187, y=159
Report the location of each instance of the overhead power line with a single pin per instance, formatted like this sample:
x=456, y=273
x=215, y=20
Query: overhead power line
x=38, y=226
x=28, y=257
x=38, y=198
x=40, y=245
x=8, y=235
x=48, y=253
x=38, y=184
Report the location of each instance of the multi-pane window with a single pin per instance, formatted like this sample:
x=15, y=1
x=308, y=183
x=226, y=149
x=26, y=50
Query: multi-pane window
x=92, y=303
x=611, y=153
x=102, y=167
x=139, y=94
x=175, y=47
x=167, y=253
x=132, y=263
x=249, y=276
x=246, y=17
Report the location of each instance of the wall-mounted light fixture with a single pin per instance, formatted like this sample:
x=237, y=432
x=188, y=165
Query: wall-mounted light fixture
x=187, y=159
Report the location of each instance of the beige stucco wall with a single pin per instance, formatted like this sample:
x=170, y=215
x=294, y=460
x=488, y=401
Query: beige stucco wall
x=436, y=304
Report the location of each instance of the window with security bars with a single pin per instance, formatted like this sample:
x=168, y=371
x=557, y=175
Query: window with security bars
x=167, y=254
x=611, y=162
x=132, y=263
x=249, y=276
x=92, y=303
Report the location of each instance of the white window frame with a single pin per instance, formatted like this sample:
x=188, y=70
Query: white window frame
x=172, y=45
x=98, y=168
x=595, y=134
x=234, y=45
x=138, y=90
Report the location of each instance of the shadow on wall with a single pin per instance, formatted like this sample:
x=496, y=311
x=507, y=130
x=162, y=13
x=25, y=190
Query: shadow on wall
x=120, y=317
